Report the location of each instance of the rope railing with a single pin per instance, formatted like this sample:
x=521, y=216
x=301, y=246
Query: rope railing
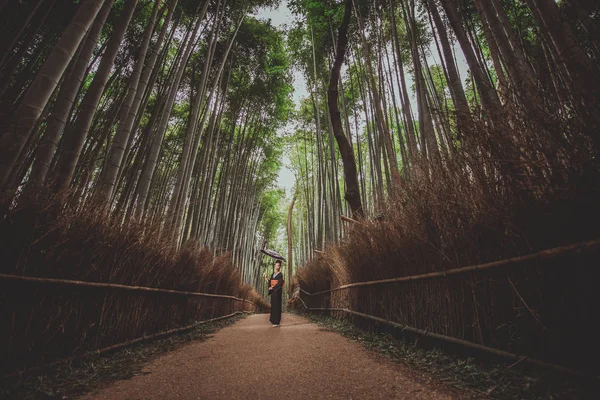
x=128, y=343
x=76, y=318
x=115, y=286
x=338, y=303
x=464, y=343
x=543, y=254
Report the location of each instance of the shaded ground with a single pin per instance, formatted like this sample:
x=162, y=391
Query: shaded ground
x=252, y=360
x=474, y=377
x=68, y=381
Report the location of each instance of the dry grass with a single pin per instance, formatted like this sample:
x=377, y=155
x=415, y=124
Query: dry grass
x=42, y=323
x=529, y=185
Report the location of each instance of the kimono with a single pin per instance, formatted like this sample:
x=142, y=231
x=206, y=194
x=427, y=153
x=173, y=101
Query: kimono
x=276, y=291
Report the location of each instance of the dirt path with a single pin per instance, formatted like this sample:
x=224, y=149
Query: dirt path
x=252, y=360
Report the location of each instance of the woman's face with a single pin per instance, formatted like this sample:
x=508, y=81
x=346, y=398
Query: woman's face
x=277, y=267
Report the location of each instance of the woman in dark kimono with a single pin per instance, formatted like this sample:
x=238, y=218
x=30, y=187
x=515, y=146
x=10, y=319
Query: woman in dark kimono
x=276, y=291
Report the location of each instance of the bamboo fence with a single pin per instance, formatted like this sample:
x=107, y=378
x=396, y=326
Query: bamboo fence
x=538, y=308
x=44, y=319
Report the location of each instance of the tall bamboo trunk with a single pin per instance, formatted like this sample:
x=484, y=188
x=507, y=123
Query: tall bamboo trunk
x=290, y=245
x=64, y=105
x=582, y=74
x=142, y=98
x=429, y=146
x=188, y=156
x=379, y=116
x=38, y=94
x=150, y=165
x=115, y=156
x=489, y=97
x=12, y=59
x=514, y=59
x=352, y=194
x=457, y=92
x=410, y=129
x=74, y=138
x=194, y=150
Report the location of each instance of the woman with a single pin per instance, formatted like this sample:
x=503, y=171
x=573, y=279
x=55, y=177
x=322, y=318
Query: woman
x=275, y=291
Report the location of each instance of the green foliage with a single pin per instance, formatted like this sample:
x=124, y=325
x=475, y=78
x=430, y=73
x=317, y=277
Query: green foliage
x=272, y=215
x=260, y=73
x=439, y=82
x=470, y=92
x=314, y=32
x=352, y=88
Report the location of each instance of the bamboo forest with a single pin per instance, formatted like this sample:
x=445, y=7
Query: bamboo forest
x=417, y=179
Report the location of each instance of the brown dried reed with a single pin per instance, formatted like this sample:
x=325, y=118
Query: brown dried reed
x=42, y=323
x=505, y=191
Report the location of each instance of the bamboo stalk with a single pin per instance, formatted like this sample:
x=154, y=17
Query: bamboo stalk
x=161, y=334
x=124, y=344
x=489, y=350
x=533, y=314
x=479, y=332
x=347, y=219
x=544, y=254
x=114, y=286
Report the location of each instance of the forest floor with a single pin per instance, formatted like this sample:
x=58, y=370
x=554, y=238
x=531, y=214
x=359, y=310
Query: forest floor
x=74, y=379
x=305, y=358
x=298, y=360
x=474, y=377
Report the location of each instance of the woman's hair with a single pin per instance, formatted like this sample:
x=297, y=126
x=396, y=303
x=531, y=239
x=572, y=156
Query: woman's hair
x=278, y=262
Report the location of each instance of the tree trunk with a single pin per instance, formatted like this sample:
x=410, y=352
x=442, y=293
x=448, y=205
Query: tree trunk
x=514, y=60
x=290, y=243
x=38, y=94
x=64, y=104
x=379, y=116
x=565, y=42
x=146, y=85
x=429, y=146
x=582, y=73
x=74, y=138
x=352, y=195
x=457, y=92
x=406, y=109
x=489, y=97
x=128, y=113
x=150, y=165
x=184, y=185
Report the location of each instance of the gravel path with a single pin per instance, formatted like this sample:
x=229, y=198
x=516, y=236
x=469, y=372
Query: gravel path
x=252, y=360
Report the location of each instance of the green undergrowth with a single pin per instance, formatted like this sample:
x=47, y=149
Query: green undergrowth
x=478, y=379
x=68, y=381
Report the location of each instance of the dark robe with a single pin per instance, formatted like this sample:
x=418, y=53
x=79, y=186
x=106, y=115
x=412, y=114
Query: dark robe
x=276, y=291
